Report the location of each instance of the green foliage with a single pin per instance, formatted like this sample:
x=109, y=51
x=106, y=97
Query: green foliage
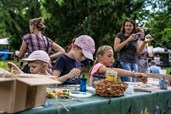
x=3, y=64
x=67, y=19
x=159, y=23
x=101, y=19
x=168, y=70
x=16, y=17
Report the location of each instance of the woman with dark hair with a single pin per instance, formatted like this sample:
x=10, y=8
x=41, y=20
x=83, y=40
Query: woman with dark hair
x=35, y=40
x=127, y=44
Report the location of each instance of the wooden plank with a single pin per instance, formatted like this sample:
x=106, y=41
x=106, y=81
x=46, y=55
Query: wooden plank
x=167, y=77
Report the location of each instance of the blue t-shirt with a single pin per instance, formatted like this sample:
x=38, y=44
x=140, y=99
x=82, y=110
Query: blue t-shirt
x=154, y=69
x=65, y=64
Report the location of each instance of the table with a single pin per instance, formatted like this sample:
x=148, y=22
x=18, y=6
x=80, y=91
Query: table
x=138, y=103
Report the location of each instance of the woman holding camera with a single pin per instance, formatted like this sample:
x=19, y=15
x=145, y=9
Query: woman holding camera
x=127, y=44
x=142, y=59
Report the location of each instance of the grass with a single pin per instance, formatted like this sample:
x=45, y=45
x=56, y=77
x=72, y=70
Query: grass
x=168, y=70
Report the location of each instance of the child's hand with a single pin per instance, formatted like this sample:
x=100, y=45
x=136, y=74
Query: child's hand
x=75, y=72
x=141, y=77
x=148, y=40
x=14, y=68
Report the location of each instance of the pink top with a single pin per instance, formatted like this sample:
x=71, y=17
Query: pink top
x=94, y=70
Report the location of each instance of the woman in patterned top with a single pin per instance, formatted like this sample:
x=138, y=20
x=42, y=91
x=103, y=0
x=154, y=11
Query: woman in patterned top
x=128, y=45
x=142, y=58
x=37, y=41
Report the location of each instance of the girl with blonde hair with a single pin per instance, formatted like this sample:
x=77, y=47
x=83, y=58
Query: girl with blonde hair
x=104, y=59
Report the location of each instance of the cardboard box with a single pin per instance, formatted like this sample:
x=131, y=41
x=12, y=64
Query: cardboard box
x=25, y=91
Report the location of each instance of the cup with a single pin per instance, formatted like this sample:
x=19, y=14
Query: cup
x=129, y=90
x=111, y=75
x=163, y=83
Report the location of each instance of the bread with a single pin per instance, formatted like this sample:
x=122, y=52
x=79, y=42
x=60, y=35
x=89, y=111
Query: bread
x=110, y=88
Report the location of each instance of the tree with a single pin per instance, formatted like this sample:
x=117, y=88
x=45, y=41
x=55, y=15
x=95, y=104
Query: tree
x=15, y=17
x=66, y=19
x=159, y=23
x=97, y=18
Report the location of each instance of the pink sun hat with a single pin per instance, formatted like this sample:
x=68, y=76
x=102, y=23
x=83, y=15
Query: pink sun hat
x=86, y=43
x=38, y=55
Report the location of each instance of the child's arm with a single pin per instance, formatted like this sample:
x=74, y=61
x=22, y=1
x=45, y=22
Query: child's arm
x=140, y=76
x=14, y=68
x=75, y=72
x=121, y=72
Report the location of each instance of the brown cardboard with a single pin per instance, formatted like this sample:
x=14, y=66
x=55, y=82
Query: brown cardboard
x=20, y=93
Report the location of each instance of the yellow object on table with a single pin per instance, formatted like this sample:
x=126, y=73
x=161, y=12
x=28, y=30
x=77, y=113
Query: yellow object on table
x=51, y=95
x=111, y=75
x=111, y=78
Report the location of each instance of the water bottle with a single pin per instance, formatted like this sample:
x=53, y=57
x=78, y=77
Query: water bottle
x=163, y=83
x=83, y=83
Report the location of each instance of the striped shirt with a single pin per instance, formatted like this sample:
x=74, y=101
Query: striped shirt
x=37, y=42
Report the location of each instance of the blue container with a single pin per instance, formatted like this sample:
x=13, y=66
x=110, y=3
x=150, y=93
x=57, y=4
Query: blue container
x=83, y=84
x=163, y=83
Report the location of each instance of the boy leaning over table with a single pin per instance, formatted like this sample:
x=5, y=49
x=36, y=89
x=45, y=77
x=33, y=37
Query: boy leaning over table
x=67, y=68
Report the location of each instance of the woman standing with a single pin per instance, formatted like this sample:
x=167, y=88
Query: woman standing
x=127, y=44
x=37, y=41
x=142, y=58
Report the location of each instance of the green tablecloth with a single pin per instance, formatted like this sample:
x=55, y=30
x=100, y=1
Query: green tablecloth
x=138, y=103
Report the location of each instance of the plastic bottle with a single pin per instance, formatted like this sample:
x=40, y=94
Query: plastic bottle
x=83, y=83
x=163, y=83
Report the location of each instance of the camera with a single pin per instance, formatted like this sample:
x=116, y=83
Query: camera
x=137, y=35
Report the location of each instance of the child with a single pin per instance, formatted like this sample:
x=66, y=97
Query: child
x=38, y=61
x=67, y=68
x=154, y=68
x=104, y=58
